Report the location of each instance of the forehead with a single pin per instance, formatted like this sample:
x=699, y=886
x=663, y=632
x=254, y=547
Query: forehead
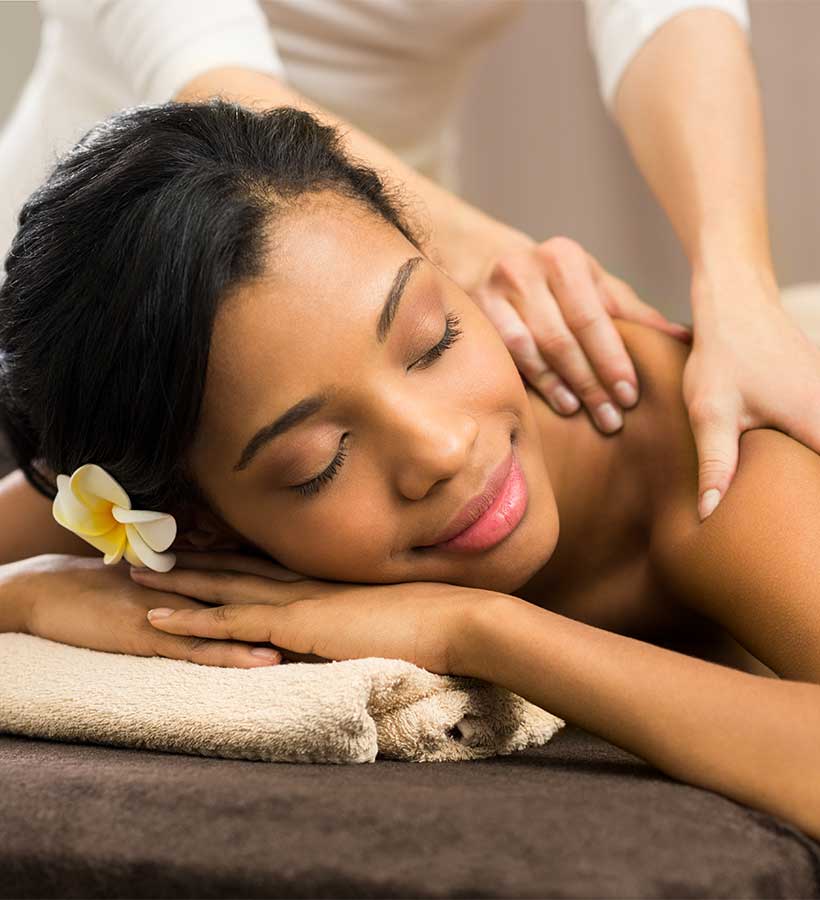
x=330, y=266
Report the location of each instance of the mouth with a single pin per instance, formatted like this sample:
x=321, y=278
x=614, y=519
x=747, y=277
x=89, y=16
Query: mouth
x=491, y=516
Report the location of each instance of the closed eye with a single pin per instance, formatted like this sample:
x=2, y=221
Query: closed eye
x=451, y=334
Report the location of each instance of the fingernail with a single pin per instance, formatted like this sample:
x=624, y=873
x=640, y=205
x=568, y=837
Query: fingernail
x=266, y=653
x=609, y=417
x=136, y=570
x=708, y=502
x=626, y=393
x=160, y=612
x=565, y=400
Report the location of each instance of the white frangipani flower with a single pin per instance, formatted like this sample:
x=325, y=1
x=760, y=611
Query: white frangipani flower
x=96, y=508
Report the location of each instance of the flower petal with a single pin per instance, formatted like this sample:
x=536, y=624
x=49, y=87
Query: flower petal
x=159, y=562
x=131, y=556
x=135, y=515
x=72, y=514
x=159, y=534
x=114, y=556
x=109, y=543
x=157, y=529
x=94, y=486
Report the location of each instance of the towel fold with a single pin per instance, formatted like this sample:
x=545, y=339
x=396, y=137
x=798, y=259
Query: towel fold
x=333, y=712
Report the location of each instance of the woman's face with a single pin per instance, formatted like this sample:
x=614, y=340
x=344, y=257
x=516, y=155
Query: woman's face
x=416, y=435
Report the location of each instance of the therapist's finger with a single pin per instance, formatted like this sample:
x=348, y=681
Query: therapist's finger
x=519, y=340
x=560, y=346
x=717, y=439
x=582, y=305
x=535, y=304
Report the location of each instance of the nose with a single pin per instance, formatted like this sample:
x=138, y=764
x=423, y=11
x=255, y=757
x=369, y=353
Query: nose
x=431, y=444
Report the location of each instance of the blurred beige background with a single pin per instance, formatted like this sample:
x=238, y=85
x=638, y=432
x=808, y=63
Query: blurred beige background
x=541, y=153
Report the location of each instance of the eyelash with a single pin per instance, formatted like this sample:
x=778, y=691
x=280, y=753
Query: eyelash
x=451, y=335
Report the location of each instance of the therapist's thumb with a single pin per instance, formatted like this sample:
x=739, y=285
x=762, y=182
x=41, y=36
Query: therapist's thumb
x=717, y=447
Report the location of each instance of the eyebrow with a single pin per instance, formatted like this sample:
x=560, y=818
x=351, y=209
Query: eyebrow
x=308, y=406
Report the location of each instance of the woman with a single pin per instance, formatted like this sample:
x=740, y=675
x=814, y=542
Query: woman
x=196, y=302
x=676, y=76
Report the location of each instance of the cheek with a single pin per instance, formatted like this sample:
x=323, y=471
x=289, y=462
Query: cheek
x=487, y=370
x=347, y=539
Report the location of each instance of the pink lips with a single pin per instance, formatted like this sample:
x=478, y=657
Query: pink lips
x=500, y=508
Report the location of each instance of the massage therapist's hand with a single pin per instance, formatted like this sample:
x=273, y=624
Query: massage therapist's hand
x=422, y=622
x=79, y=600
x=750, y=366
x=553, y=303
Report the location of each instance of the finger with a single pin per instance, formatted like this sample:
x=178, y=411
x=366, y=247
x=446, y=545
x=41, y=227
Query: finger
x=219, y=586
x=207, y=652
x=239, y=623
x=520, y=342
x=560, y=348
x=579, y=298
x=716, y=438
x=237, y=562
x=235, y=654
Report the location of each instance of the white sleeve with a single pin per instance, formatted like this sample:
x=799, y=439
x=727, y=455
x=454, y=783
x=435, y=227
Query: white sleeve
x=159, y=45
x=617, y=29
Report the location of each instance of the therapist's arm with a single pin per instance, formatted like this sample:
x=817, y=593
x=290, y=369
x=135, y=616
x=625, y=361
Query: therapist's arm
x=457, y=230
x=689, y=107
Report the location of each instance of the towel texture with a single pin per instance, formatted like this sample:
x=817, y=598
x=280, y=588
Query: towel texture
x=334, y=712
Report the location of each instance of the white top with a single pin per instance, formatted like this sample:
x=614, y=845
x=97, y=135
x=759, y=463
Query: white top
x=396, y=69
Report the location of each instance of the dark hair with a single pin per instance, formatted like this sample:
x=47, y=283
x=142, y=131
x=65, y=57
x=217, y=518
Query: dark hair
x=117, y=270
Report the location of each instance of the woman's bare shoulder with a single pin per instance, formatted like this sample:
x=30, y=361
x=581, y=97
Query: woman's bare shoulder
x=658, y=359
x=660, y=421
x=765, y=455
x=751, y=566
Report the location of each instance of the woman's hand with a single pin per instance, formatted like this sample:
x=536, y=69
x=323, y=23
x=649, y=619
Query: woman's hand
x=79, y=600
x=553, y=305
x=423, y=622
x=751, y=366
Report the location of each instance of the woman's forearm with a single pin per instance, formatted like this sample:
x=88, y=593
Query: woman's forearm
x=27, y=526
x=689, y=108
x=751, y=738
x=458, y=231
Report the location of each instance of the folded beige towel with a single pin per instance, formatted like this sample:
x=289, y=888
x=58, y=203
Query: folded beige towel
x=333, y=712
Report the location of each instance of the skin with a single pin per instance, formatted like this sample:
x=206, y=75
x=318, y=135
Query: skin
x=629, y=530
x=628, y=523
x=631, y=553
x=421, y=441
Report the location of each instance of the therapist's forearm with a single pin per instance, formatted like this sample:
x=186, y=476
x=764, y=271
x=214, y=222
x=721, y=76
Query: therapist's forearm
x=459, y=232
x=689, y=107
x=751, y=738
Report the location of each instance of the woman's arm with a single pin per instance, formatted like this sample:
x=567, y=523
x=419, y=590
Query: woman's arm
x=753, y=565
x=28, y=527
x=751, y=738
